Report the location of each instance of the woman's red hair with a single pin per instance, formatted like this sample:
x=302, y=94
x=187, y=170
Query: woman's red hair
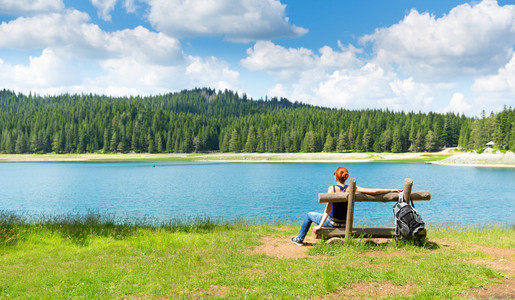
x=341, y=174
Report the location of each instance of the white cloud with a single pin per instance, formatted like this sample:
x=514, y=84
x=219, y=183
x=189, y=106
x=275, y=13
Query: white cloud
x=155, y=79
x=414, y=95
x=78, y=57
x=471, y=39
x=211, y=72
x=287, y=64
x=503, y=81
x=415, y=64
x=268, y=56
x=49, y=69
x=130, y=6
x=366, y=87
x=104, y=8
x=72, y=33
x=55, y=74
x=25, y=32
x=15, y=7
x=458, y=104
x=492, y=92
x=335, y=78
x=237, y=20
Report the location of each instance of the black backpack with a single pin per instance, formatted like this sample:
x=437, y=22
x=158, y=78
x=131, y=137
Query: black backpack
x=408, y=223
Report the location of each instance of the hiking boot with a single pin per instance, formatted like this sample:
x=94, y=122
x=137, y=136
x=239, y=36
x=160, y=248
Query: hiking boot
x=297, y=241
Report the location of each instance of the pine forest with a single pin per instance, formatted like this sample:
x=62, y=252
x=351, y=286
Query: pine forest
x=205, y=120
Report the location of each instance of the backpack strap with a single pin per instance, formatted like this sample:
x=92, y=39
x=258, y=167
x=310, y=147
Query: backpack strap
x=343, y=188
x=397, y=231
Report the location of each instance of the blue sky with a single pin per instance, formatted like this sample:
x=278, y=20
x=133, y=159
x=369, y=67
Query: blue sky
x=443, y=56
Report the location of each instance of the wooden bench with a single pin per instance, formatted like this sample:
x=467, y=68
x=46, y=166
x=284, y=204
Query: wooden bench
x=336, y=234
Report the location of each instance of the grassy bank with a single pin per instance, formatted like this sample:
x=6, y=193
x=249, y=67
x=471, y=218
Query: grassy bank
x=232, y=157
x=94, y=257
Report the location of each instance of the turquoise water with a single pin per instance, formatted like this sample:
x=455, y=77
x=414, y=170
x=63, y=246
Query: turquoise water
x=250, y=191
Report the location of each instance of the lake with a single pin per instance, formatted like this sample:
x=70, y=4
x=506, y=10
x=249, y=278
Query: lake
x=250, y=191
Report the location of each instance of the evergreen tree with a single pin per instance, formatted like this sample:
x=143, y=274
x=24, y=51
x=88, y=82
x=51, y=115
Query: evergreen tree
x=106, y=140
x=342, y=142
x=309, y=142
x=187, y=141
x=196, y=144
x=397, y=141
x=121, y=147
x=79, y=123
x=351, y=137
x=226, y=142
x=159, y=143
x=419, y=142
x=150, y=145
x=57, y=142
x=169, y=142
x=20, y=144
x=260, y=147
x=386, y=141
x=134, y=140
x=81, y=146
x=431, y=141
x=367, y=139
x=7, y=142
x=114, y=142
x=234, y=142
x=250, y=145
x=329, y=143
x=224, y=147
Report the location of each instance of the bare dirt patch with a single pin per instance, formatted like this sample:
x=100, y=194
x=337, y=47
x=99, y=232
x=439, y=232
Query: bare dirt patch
x=373, y=290
x=500, y=259
x=504, y=290
x=494, y=251
x=283, y=248
x=506, y=266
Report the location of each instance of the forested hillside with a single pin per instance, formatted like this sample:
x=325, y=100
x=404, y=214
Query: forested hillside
x=206, y=120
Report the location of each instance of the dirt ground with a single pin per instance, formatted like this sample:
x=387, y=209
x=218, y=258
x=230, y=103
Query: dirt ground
x=500, y=259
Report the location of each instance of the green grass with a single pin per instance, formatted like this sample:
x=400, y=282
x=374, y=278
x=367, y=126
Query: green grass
x=189, y=158
x=94, y=257
x=422, y=159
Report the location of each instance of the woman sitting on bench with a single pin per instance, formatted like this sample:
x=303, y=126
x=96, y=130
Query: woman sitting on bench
x=335, y=214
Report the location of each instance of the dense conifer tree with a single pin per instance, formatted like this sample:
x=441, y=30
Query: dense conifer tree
x=329, y=143
x=204, y=120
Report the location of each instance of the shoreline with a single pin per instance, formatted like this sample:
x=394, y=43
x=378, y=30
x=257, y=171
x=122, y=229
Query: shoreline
x=437, y=158
x=226, y=157
x=475, y=165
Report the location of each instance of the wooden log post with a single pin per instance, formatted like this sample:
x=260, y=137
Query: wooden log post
x=360, y=197
x=406, y=193
x=350, y=208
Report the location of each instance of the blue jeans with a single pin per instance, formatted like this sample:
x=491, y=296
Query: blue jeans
x=312, y=217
